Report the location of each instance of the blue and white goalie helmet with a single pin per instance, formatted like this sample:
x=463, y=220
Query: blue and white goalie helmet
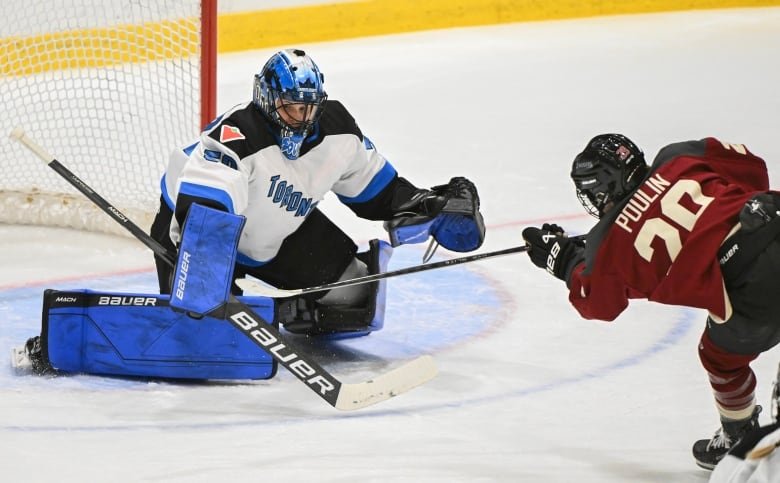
x=289, y=91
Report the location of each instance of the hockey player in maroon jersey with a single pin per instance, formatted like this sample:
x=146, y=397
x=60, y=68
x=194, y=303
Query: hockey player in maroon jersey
x=697, y=228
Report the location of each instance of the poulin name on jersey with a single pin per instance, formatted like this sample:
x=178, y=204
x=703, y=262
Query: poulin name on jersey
x=640, y=201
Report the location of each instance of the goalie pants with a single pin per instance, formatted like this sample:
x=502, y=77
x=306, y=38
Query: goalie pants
x=318, y=252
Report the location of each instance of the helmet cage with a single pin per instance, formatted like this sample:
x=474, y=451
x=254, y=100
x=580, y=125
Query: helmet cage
x=593, y=203
x=290, y=77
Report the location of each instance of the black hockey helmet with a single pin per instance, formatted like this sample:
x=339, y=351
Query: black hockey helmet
x=609, y=168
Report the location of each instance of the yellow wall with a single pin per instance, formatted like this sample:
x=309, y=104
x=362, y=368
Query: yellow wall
x=74, y=49
x=296, y=25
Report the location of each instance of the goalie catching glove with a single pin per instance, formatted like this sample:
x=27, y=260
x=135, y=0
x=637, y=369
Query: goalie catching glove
x=449, y=213
x=551, y=249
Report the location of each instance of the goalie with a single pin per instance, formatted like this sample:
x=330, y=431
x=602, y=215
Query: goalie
x=242, y=200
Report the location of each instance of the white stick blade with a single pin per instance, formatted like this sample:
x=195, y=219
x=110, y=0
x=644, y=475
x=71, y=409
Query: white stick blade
x=398, y=381
x=253, y=287
x=17, y=133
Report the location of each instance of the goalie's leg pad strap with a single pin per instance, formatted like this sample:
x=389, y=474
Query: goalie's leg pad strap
x=207, y=257
x=382, y=252
x=139, y=335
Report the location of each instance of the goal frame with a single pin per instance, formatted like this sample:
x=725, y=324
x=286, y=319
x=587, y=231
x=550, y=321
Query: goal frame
x=43, y=203
x=208, y=61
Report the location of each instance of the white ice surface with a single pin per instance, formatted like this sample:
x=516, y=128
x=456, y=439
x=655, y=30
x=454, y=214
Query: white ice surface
x=527, y=390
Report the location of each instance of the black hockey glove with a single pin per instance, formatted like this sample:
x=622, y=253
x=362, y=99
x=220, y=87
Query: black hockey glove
x=449, y=213
x=551, y=249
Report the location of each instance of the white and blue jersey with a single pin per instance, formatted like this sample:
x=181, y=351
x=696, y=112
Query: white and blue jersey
x=237, y=166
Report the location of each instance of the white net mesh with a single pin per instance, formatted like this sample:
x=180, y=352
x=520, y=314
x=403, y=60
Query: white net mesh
x=109, y=87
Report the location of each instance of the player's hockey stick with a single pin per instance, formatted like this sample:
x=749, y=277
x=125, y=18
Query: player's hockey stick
x=344, y=396
x=255, y=287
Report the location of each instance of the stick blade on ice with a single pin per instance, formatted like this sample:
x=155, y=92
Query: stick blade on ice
x=387, y=385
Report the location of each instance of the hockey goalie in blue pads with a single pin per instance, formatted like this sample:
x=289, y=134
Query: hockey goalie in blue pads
x=140, y=335
x=272, y=160
x=183, y=335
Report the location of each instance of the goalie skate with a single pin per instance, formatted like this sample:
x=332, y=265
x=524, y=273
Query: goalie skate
x=776, y=397
x=20, y=361
x=28, y=359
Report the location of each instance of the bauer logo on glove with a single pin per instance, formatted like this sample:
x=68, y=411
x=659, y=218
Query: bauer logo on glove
x=554, y=251
x=551, y=249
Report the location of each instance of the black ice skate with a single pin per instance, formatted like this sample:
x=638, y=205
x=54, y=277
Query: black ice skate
x=29, y=359
x=708, y=452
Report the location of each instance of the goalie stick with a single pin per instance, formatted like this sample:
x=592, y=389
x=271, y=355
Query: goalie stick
x=258, y=288
x=343, y=396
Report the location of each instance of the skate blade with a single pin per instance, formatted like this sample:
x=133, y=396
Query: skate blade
x=20, y=362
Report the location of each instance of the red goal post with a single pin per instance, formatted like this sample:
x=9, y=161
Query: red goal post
x=112, y=87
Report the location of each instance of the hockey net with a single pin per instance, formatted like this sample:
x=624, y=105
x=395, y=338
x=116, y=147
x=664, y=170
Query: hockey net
x=109, y=87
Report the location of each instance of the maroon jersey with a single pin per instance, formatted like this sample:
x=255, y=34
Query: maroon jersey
x=661, y=242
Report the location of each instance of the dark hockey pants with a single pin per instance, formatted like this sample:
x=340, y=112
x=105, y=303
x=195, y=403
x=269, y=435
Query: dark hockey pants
x=317, y=253
x=752, y=277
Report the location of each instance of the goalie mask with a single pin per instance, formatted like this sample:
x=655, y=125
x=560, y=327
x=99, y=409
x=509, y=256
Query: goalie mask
x=289, y=91
x=609, y=168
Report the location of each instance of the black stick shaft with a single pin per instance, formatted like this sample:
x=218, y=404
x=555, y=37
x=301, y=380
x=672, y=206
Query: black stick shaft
x=114, y=213
x=417, y=268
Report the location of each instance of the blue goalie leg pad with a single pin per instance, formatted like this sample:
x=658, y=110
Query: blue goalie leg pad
x=207, y=257
x=139, y=335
